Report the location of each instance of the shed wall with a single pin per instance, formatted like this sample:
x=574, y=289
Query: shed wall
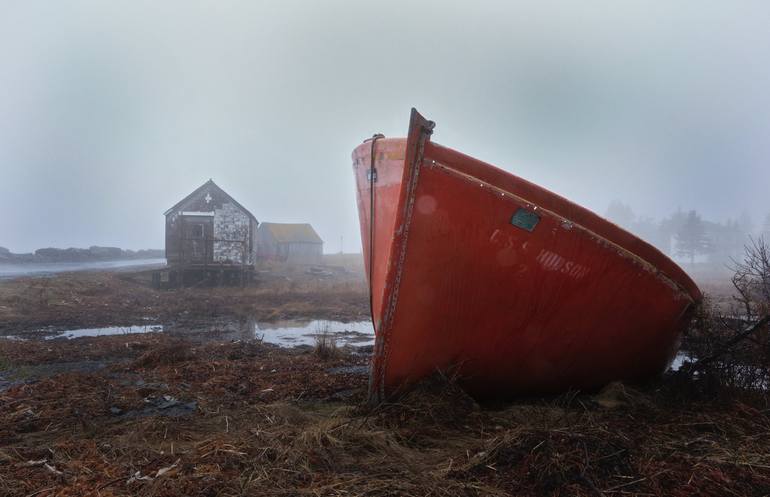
x=292, y=252
x=231, y=238
x=301, y=253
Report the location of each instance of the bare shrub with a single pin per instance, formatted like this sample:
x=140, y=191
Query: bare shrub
x=733, y=348
x=752, y=280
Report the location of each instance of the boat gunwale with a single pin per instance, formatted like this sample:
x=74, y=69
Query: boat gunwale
x=608, y=231
x=664, y=265
x=624, y=252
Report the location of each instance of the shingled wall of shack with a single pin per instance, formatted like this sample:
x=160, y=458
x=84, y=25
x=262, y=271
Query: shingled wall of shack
x=232, y=240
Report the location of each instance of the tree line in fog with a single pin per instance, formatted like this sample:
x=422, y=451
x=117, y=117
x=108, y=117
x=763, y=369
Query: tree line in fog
x=687, y=236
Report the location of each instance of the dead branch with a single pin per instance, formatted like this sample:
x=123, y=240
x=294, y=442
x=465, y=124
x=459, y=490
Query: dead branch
x=745, y=334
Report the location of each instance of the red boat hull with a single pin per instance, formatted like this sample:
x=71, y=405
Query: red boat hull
x=515, y=288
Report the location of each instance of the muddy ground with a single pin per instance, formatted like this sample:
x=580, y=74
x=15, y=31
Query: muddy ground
x=95, y=299
x=158, y=414
x=155, y=415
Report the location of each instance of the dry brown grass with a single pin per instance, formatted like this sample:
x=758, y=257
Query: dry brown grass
x=172, y=353
x=266, y=423
x=269, y=421
x=92, y=299
x=325, y=347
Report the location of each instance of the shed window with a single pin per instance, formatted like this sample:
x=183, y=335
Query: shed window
x=197, y=231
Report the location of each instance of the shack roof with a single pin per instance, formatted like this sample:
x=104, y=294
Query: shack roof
x=292, y=232
x=209, y=184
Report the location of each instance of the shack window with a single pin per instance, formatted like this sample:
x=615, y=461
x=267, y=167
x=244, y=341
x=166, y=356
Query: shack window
x=197, y=231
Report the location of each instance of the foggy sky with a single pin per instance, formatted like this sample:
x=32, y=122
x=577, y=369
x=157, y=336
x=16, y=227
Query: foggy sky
x=111, y=112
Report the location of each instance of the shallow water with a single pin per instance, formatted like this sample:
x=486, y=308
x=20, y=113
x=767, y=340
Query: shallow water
x=43, y=268
x=292, y=333
x=679, y=360
x=110, y=330
x=286, y=333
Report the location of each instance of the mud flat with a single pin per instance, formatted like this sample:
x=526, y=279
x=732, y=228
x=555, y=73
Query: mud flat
x=156, y=414
x=196, y=403
x=110, y=299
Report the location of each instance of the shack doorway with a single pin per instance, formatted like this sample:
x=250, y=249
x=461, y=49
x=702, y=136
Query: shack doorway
x=197, y=238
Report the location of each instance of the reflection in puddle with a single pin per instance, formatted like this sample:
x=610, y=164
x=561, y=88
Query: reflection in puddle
x=292, y=333
x=287, y=333
x=110, y=330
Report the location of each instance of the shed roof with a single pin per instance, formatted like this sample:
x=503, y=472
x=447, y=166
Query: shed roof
x=209, y=183
x=294, y=232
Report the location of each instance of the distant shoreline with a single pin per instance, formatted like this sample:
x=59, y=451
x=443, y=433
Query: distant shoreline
x=12, y=270
x=24, y=262
x=78, y=255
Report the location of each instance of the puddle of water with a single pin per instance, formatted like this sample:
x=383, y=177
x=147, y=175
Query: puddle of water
x=679, y=360
x=287, y=333
x=110, y=330
x=294, y=332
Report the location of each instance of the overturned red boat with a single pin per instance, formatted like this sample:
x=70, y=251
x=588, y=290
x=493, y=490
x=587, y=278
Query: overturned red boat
x=516, y=289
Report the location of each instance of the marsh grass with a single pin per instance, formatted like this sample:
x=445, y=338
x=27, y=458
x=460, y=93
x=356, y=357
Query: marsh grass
x=325, y=343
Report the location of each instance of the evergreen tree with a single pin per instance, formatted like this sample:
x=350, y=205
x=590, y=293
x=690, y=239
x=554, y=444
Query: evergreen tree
x=745, y=224
x=620, y=214
x=691, y=237
x=727, y=241
x=668, y=228
x=766, y=229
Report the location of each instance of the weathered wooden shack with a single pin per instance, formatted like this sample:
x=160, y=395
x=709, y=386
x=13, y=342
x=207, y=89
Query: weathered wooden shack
x=209, y=237
x=291, y=243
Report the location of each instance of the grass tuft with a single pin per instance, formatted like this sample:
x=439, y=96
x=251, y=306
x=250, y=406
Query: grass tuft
x=325, y=344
